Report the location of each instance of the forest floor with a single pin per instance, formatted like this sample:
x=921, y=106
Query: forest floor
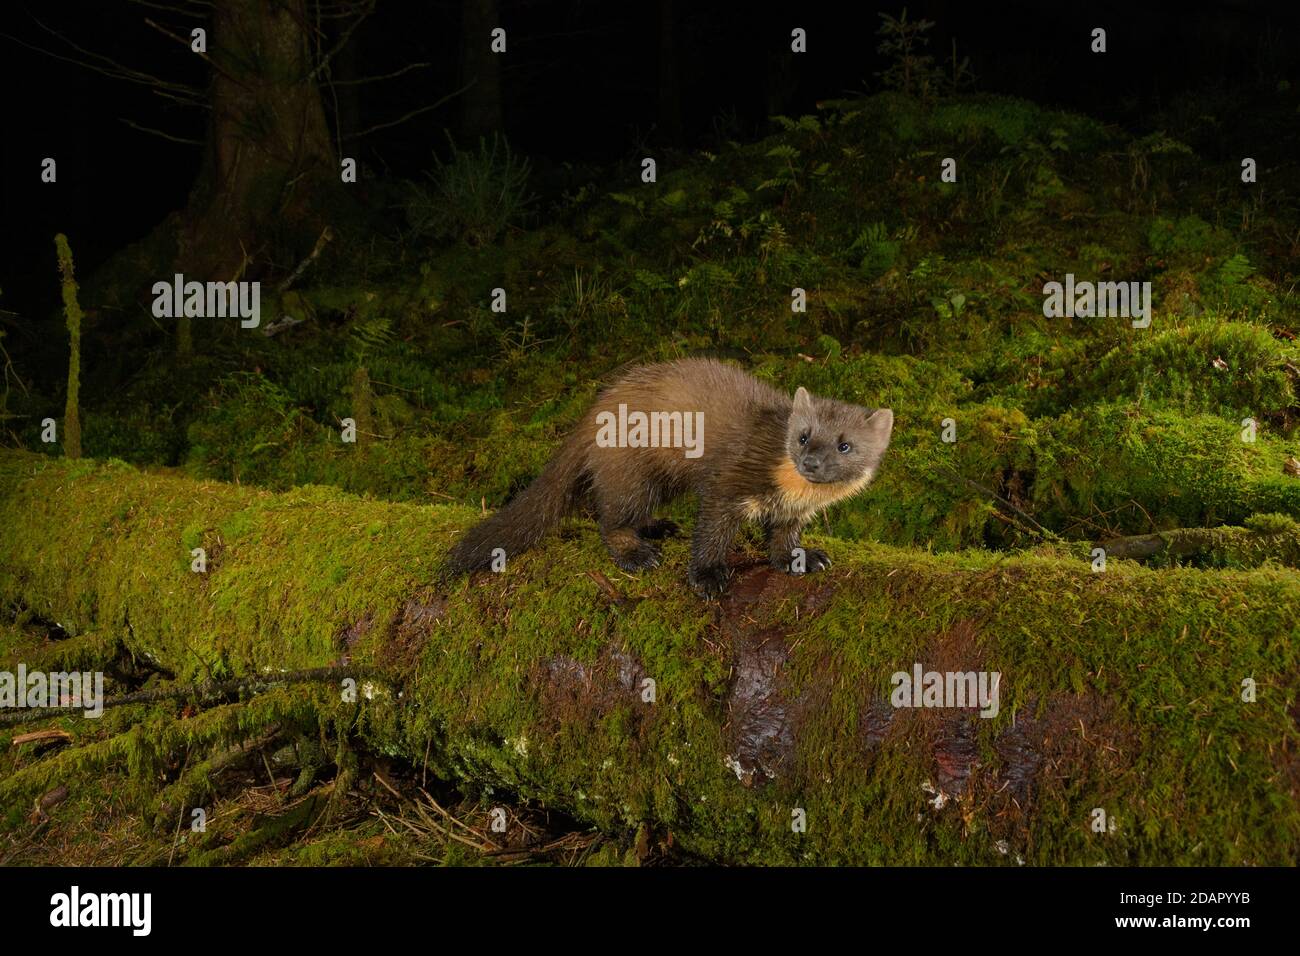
x=1014, y=430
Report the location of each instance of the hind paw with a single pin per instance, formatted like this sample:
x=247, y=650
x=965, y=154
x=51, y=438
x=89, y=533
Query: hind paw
x=641, y=557
x=658, y=529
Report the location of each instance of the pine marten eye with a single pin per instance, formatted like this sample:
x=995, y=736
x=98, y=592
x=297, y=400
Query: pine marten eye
x=803, y=439
x=845, y=448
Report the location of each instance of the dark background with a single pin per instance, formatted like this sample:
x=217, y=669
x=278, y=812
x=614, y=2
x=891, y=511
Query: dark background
x=581, y=85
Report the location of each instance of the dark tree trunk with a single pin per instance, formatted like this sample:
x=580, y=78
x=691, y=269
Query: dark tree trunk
x=780, y=81
x=348, y=95
x=670, y=100
x=480, y=67
x=269, y=164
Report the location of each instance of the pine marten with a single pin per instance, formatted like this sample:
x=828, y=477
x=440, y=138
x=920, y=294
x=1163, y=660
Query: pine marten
x=747, y=450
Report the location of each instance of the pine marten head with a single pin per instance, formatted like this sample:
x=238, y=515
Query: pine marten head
x=833, y=446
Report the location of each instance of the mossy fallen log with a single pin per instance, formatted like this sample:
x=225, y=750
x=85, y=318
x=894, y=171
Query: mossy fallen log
x=1143, y=716
x=1267, y=537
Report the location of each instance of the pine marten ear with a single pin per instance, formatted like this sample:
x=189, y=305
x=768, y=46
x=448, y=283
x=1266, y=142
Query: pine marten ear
x=802, y=402
x=880, y=425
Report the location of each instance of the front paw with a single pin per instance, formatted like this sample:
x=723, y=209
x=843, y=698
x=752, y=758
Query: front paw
x=709, y=582
x=802, y=561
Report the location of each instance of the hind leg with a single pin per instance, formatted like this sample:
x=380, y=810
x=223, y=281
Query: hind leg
x=656, y=529
x=620, y=521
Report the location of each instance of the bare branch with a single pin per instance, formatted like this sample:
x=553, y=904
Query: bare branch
x=158, y=132
x=343, y=40
x=206, y=59
x=413, y=113
x=326, y=235
x=114, y=69
x=385, y=76
x=198, y=104
x=338, y=11
x=180, y=11
x=10, y=370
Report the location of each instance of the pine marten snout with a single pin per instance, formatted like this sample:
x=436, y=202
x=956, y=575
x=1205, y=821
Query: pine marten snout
x=748, y=451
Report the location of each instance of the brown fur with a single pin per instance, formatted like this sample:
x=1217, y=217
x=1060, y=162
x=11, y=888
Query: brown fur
x=751, y=468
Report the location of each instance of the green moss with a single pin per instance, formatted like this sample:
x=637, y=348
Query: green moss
x=1168, y=747
x=1272, y=523
x=1188, y=236
x=73, y=314
x=1088, y=427
x=1231, y=369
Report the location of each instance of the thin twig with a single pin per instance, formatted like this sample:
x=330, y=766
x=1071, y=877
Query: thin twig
x=412, y=114
x=180, y=11
x=326, y=235
x=205, y=57
x=997, y=497
x=119, y=71
x=386, y=76
x=158, y=132
x=343, y=41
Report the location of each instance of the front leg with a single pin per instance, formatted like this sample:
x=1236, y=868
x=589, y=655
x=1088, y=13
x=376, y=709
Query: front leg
x=786, y=554
x=715, y=529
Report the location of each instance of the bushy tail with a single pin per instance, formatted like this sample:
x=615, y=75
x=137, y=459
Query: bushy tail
x=523, y=522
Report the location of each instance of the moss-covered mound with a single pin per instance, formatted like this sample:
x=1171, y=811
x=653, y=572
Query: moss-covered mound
x=1144, y=715
x=922, y=294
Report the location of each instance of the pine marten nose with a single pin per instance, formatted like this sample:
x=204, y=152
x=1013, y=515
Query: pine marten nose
x=811, y=463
